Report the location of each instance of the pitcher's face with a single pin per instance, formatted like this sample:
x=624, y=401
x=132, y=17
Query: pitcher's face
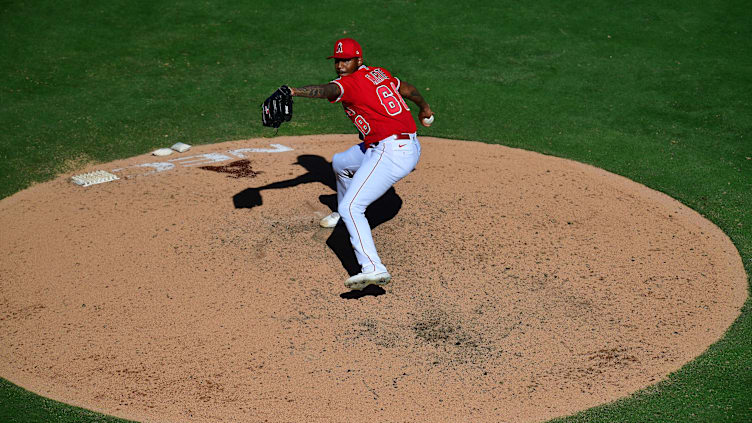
x=345, y=67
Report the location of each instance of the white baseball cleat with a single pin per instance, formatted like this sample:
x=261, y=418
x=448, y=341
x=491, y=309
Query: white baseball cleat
x=362, y=280
x=330, y=221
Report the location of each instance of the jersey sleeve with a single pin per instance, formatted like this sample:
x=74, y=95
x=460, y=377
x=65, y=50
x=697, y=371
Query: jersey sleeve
x=347, y=87
x=341, y=91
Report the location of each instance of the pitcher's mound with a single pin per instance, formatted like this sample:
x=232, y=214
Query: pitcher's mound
x=199, y=287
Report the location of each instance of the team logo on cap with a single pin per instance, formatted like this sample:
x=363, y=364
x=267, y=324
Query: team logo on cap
x=339, y=48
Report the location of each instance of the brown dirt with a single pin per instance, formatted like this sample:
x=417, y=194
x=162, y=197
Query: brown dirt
x=524, y=287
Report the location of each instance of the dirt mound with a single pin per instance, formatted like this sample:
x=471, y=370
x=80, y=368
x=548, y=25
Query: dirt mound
x=200, y=287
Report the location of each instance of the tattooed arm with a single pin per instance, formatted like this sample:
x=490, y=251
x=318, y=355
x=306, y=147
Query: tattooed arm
x=329, y=91
x=411, y=93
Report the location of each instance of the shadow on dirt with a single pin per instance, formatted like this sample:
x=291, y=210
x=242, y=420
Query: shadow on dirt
x=320, y=171
x=369, y=291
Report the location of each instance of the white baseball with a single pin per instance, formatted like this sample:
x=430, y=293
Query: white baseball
x=428, y=121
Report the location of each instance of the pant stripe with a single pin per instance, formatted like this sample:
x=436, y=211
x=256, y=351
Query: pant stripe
x=349, y=208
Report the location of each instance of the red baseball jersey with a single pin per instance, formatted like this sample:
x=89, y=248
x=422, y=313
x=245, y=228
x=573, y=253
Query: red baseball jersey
x=372, y=101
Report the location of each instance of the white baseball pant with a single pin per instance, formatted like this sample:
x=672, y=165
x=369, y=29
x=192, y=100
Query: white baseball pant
x=364, y=175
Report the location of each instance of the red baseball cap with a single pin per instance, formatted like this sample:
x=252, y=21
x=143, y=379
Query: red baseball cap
x=346, y=48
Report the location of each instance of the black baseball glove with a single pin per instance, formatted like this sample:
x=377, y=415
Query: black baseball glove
x=277, y=108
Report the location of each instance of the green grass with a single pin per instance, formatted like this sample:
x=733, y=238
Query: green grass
x=18, y=405
x=660, y=92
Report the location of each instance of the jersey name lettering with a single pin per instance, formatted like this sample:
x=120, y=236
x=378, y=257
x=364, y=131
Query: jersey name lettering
x=376, y=76
x=371, y=99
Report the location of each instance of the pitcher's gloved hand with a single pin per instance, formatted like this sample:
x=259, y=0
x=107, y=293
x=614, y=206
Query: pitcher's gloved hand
x=277, y=108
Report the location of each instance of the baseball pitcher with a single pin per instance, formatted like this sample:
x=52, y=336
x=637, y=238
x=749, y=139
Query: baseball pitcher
x=374, y=100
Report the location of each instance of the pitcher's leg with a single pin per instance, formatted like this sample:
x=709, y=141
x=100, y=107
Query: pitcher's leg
x=376, y=175
x=345, y=164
